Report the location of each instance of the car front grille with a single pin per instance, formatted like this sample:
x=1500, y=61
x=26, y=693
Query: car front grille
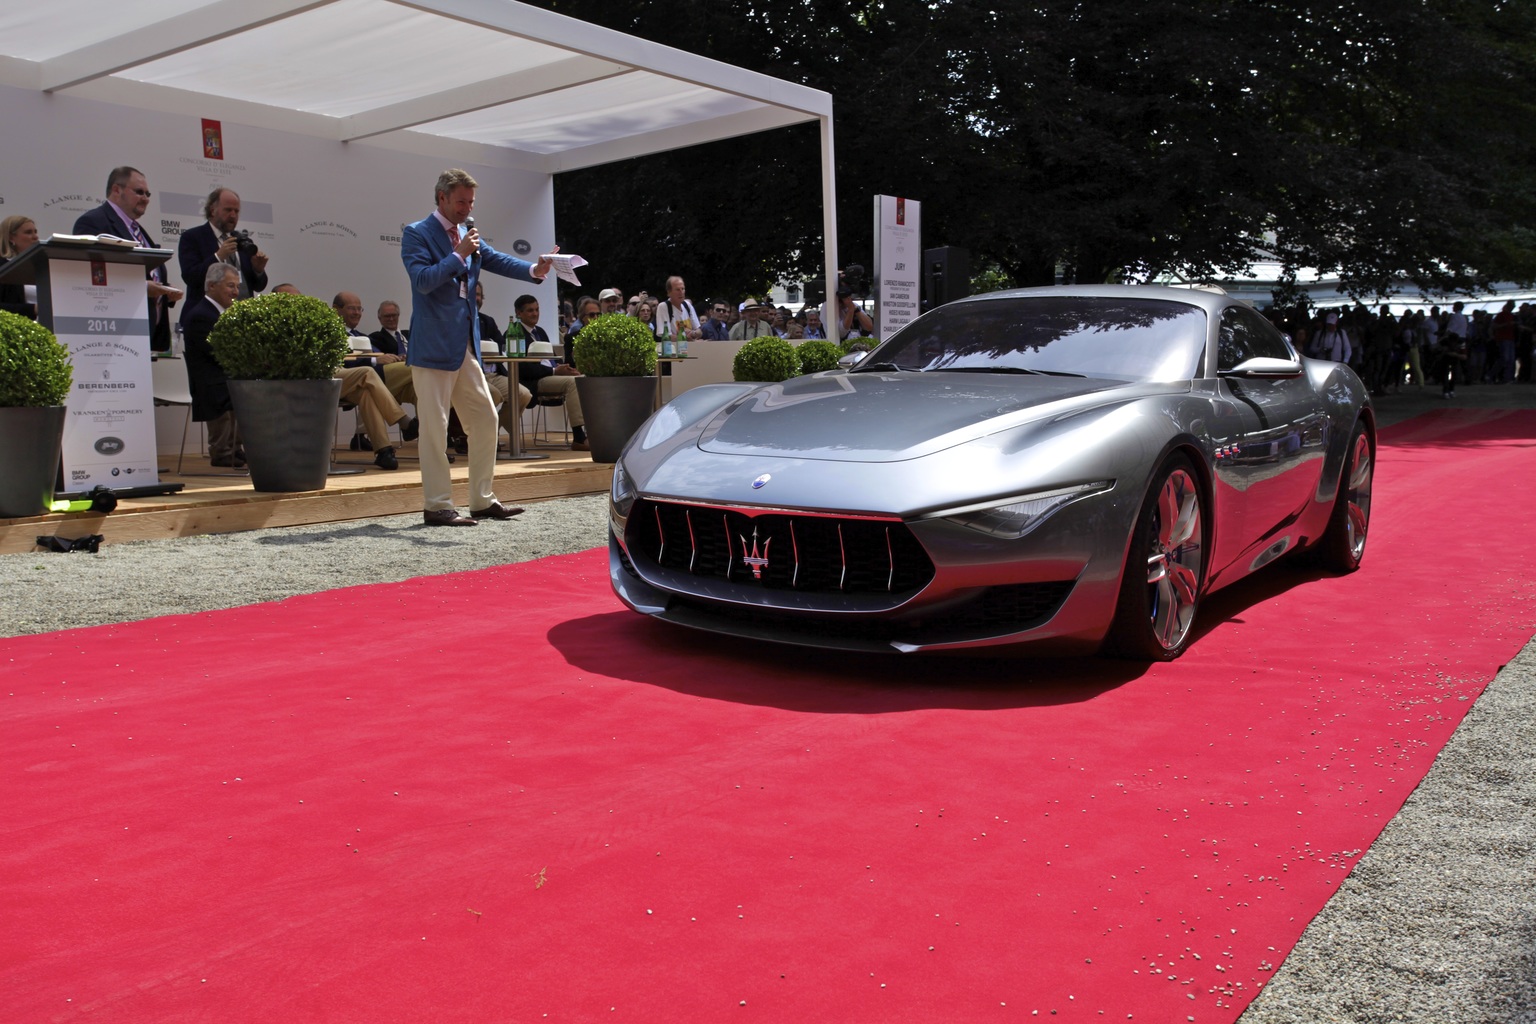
x=780, y=550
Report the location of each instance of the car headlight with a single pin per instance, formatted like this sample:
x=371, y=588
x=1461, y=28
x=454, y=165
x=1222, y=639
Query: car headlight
x=1015, y=517
x=622, y=492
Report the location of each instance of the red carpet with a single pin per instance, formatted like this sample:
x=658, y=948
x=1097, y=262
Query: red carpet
x=510, y=800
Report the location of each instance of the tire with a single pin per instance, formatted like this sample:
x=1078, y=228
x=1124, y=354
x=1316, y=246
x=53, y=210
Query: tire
x=1343, y=544
x=1164, y=569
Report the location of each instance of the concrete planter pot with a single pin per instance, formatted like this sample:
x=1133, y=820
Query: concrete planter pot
x=287, y=428
x=29, y=459
x=615, y=407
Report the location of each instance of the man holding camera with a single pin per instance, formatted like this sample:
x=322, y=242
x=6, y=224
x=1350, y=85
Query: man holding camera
x=218, y=242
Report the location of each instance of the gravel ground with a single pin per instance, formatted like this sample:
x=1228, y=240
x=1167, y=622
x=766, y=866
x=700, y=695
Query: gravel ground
x=1436, y=924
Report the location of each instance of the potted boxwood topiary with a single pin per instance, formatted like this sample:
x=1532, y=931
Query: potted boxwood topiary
x=280, y=353
x=616, y=355
x=817, y=355
x=768, y=360
x=35, y=377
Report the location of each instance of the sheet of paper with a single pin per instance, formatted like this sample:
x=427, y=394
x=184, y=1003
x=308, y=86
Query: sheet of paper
x=565, y=265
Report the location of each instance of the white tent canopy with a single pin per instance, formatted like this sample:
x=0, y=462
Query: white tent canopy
x=494, y=82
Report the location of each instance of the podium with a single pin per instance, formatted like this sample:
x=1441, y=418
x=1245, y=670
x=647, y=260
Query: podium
x=91, y=295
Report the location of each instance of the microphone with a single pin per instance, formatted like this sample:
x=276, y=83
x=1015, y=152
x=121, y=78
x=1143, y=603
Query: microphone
x=469, y=225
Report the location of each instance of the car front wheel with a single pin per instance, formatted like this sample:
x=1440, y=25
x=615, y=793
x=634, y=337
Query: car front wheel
x=1343, y=545
x=1164, y=571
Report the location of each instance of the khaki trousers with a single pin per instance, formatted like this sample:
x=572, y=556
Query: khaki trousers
x=565, y=387
x=500, y=387
x=397, y=378
x=376, y=407
x=465, y=391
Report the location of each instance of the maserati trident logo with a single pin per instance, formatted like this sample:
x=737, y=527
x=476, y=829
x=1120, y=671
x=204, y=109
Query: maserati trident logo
x=757, y=484
x=758, y=561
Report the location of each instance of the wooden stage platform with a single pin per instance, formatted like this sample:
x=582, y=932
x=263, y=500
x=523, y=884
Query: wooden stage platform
x=226, y=503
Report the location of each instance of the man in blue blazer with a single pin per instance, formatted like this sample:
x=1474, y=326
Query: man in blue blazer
x=127, y=199
x=444, y=263
x=215, y=242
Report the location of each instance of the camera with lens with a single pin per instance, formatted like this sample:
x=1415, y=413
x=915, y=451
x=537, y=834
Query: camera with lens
x=244, y=242
x=852, y=281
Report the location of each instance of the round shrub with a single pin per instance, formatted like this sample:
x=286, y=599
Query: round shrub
x=768, y=360
x=279, y=337
x=34, y=367
x=816, y=356
x=615, y=345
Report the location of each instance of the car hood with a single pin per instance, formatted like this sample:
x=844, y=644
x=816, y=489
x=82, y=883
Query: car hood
x=887, y=417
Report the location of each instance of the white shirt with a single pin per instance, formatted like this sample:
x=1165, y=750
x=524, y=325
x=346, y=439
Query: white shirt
x=687, y=319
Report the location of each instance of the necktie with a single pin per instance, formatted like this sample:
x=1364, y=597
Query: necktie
x=143, y=240
x=453, y=236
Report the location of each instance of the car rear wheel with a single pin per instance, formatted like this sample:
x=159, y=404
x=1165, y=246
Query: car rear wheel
x=1343, y=545
x=1164, y=570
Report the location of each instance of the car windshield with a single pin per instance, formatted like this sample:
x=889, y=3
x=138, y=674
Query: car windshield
x=1123, y=338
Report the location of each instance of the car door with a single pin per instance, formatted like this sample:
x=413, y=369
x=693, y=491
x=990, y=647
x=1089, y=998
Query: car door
x=1269, y=459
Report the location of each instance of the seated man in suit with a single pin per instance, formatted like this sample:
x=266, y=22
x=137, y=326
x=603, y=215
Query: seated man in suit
x=127, y=200
x=390, y=370
x=389, y=337
x=216, y=242
x=391, y=340
x=363, y=385
x=209, y=386
x=549, y=377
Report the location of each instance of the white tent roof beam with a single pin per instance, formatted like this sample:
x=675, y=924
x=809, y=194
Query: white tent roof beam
x=489, y=93
x=679, y=137
x=165, y=38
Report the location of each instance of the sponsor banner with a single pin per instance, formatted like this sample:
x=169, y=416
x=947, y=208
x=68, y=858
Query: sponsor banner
x=101, y=314
x=898, y=263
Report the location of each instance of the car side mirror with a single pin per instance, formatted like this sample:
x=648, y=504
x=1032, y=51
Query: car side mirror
x=1260, y=367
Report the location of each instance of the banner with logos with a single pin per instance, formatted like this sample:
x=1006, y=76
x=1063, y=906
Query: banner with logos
x=101, y=314
x=898, y=263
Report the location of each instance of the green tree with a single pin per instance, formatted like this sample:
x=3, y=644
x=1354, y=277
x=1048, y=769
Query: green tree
x=1095, y=142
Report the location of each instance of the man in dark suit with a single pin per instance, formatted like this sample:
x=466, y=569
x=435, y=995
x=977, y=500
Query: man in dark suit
x=444, y=263
x=127, y=199
x=389, y=337
x=215, y=242
x=549, y=378
x=210, y=388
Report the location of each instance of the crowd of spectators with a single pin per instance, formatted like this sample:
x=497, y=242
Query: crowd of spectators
x=1416, y=347
x=715, y=319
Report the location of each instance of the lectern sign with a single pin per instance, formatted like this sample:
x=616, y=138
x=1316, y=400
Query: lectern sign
x=101, y=314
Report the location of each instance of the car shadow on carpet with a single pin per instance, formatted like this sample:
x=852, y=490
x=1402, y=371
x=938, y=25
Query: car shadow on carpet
x=623, y=645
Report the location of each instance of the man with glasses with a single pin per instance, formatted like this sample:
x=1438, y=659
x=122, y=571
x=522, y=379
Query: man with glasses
x=717, y=324
x=127, y=200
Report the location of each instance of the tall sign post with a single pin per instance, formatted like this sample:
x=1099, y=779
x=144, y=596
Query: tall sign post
x=898, y=263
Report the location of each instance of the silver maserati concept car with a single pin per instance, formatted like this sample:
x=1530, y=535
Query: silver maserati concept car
x=1073, y=468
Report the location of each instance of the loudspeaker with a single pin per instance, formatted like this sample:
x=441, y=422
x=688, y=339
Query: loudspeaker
x=946, y=274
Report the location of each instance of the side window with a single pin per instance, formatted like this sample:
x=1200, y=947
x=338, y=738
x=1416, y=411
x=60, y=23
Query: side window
x=1247, y=335
x=1234, y=343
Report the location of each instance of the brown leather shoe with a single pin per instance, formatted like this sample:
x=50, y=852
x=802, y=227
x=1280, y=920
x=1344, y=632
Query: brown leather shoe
x=496, y=510
x=446, y=517
x=580, y=446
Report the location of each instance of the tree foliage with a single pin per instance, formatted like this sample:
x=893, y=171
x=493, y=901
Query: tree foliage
x=1091, y=141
